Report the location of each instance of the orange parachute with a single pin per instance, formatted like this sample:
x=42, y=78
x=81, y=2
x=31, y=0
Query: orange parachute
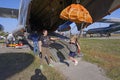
x=76, y=13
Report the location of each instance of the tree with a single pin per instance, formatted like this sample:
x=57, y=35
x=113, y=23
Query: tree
x=1, y=27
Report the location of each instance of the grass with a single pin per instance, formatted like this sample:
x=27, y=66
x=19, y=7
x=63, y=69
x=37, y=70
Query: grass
x=1, y=41
x=105, y=53
x=115, y=35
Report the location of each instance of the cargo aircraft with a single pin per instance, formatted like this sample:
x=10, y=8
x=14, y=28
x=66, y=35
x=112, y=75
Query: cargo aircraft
x=36, y=15
x=106, y=31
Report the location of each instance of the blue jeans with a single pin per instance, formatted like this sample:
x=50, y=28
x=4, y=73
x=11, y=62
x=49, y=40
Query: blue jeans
x=36, y=48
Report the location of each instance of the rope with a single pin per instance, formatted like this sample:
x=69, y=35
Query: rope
x=82, y=25
x=77, y=1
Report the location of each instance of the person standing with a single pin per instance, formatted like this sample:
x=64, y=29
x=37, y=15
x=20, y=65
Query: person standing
x=44, y=42
x=10, y=38
x=35, y=38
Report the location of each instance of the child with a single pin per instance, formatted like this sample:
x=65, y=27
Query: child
x=73, y=46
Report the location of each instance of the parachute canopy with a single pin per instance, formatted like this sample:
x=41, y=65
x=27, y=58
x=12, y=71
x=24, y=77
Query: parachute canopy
x=76, y=13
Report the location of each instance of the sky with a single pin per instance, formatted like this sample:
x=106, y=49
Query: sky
x=11, y=24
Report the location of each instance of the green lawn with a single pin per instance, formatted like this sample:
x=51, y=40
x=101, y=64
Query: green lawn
x=1, y=41
x=105, y=53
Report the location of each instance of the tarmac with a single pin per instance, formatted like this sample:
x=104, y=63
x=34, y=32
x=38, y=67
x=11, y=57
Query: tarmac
x=83, y=71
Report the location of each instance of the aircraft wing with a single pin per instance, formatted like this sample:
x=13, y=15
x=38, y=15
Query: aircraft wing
x=110, y=21
x=99, y=8
x=9, y=13
x=65, y=26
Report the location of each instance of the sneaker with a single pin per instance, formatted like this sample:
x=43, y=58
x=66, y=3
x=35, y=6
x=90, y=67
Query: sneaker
x=41, y=67
x=80, y=55
x=51, y=65
x=76, y=62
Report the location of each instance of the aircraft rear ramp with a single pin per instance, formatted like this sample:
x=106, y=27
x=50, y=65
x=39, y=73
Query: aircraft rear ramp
x=59, y=50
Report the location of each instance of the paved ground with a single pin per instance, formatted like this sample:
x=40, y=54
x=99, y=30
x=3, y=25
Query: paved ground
x=83, y=71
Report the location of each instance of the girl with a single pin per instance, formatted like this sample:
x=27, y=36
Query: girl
x=73, y=46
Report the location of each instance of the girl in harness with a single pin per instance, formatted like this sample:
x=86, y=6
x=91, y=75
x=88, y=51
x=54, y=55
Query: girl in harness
x=73, y=47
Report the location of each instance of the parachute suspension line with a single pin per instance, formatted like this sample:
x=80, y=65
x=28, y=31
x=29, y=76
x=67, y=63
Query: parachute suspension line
x=80, y=34
x=77, y=1
x=82, y=26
